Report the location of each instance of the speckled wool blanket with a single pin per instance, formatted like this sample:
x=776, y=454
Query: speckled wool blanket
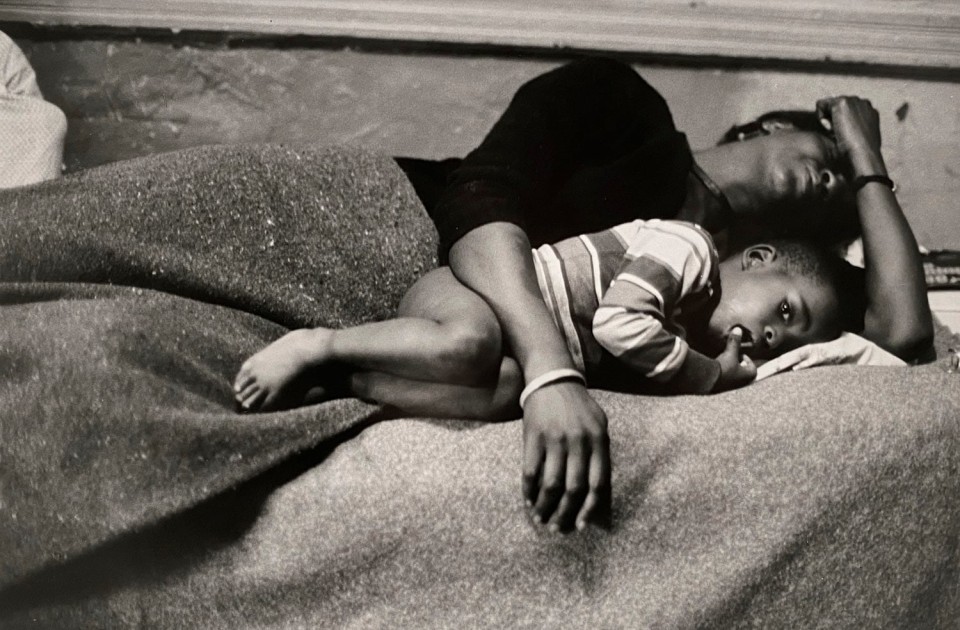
x=131, y=494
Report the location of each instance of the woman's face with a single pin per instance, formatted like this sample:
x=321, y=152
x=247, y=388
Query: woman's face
x=801, y=168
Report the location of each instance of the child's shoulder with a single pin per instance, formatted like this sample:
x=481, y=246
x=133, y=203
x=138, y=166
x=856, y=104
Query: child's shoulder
x=669, y=232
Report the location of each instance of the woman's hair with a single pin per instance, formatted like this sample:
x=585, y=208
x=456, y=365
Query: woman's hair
x=797, y=119
x=821, y=265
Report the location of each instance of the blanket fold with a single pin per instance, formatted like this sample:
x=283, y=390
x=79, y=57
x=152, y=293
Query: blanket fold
x=117, y=402
x=265, y=229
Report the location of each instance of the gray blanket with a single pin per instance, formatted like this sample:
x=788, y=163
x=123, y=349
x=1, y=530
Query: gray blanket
x=132, y=494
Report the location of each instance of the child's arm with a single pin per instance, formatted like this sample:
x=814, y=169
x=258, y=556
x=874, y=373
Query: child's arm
x=663, y=264
x=898, y=315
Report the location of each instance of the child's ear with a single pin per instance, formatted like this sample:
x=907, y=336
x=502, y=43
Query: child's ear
x=759, y=255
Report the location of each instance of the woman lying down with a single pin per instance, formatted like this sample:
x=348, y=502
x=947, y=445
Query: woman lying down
x=648, y=300
x=529, y=311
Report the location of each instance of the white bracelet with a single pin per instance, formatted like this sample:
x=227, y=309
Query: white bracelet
x=546, y=378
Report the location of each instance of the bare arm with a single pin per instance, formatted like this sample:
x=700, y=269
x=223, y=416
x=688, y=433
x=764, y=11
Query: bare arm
x=566, y=458
x=898, y=315
x=585, y=112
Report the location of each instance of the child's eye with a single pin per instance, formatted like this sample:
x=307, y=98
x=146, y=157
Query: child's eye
x=785, y=310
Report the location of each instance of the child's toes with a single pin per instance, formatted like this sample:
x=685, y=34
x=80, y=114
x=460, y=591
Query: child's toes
x=242, y=390
x=242, y=380
x=253, y=398
x=248, y=392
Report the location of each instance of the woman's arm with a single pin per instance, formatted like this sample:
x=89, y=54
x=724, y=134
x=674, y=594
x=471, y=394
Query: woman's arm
x=589, y=111
x=566, y=457
x=898, y=315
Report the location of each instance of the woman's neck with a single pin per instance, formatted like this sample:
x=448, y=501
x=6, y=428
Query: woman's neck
x=735, y=168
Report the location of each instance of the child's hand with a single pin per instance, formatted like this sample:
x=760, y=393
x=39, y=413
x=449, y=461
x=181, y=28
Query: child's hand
x=734, y=371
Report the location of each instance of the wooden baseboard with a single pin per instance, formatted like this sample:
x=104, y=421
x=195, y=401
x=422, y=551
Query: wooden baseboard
x=887, y=32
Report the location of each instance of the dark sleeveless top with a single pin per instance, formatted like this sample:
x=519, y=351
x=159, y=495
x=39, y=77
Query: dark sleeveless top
x=580, y=148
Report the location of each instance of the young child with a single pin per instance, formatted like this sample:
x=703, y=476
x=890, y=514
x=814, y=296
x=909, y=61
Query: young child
x=643, y=301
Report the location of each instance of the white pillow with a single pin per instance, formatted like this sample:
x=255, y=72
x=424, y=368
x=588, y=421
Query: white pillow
x=847, y=349
x=32, y=130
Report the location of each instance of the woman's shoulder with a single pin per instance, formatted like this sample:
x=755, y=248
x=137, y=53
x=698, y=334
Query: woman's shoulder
x=596, y=77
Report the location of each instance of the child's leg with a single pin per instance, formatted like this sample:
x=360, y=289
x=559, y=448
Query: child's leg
x=444, y=333
x=443, y=400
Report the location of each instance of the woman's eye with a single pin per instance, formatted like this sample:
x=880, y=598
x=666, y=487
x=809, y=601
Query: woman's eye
x=785, y=310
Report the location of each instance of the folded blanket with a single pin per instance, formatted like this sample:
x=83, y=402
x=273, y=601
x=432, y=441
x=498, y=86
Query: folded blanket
x=132, y=494
x=118, y=408
x=301, y=237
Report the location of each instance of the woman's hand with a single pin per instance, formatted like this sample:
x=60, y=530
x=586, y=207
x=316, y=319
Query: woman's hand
x=566, y=457
x=856, y=126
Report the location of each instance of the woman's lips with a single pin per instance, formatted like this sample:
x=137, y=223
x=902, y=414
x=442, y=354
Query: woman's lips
x=815, y=185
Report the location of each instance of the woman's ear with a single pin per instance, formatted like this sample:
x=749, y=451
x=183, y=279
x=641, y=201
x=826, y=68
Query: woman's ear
x=759, y=255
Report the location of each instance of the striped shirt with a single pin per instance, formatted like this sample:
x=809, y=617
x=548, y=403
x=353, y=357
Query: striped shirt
x=622, y=290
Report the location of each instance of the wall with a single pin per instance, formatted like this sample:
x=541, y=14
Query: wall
x=923, y=33
x=125, y=98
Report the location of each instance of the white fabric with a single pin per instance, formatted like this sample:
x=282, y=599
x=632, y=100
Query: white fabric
x=847, y=349
x=32, y=131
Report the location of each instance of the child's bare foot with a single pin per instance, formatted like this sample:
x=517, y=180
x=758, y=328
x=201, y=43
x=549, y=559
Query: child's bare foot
x=264, y=380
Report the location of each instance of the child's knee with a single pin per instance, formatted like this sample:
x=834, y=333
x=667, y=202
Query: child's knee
x=472, y=354
x=365, y=385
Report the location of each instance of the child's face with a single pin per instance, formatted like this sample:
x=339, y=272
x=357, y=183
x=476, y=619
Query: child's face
x=777, y=312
